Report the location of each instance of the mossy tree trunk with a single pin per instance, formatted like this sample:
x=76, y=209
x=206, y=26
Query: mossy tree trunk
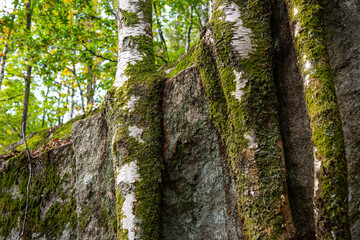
x=330, y=167
x=135, y=124
x=235, y=61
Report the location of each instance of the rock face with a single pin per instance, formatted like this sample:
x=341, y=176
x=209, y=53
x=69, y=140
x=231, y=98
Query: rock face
x=72, y=189
x=94, y=188
x=204, y=183
x=198, y=192
x=52, y=204
x=343, y=37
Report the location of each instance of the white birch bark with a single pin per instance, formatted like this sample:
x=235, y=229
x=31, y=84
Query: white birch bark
x=135, y=52
x=249, y=158
x=128, y=52
x=204, y=13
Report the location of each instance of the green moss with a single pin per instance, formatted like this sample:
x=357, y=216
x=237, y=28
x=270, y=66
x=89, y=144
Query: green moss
x=258, y=170
x=64, y=131
x=324, y=119
x=122, y=233
x=37, y=139
x=43, y=136
x=43, y=185
x=129, y=18
x=184, y=62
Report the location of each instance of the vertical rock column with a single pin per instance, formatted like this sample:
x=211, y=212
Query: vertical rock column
x=235, y=61
x=330, y=172
x=133, y=112
x=342, y=35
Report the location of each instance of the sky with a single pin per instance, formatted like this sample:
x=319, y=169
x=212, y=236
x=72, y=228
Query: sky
x=5, y=6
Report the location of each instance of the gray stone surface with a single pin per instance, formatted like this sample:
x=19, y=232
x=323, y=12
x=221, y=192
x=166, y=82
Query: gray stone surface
x=95, y=192
x=199, y=199
x=342, y=25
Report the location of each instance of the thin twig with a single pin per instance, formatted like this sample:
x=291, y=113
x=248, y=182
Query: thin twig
x=97, y=55
x=4, y=100
x=28, y=184
x=159, y=56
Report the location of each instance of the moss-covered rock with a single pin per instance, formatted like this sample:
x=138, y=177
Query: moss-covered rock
x=66, y=192
x=52, y=206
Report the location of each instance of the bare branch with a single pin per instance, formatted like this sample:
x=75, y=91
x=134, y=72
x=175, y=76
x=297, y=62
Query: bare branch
x=97, y=55
x=4, y=100
x=161, y=58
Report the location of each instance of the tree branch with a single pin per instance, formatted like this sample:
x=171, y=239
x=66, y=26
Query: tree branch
x=97, y=55
x=161, y=58
x=4, y=100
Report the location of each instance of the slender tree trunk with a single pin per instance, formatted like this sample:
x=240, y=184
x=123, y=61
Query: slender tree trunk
x=28, y=71
x=90, y=86
x=188, y=34
x=81, y=95
x=160, y=32
x=2, y=63
x=6, y=50
x=71, y=101
x=133, y=111
x=58, y=108
x=44, y=114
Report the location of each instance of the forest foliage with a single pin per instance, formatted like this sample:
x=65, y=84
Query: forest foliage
x=70, y=47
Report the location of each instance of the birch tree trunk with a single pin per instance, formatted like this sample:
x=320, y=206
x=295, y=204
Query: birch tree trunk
x=235, y=61
x=204, y=13
x=133, y=111
x=330, y=167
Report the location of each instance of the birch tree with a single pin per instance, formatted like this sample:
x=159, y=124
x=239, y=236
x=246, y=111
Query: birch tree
x=133, y=111
x=235, y=61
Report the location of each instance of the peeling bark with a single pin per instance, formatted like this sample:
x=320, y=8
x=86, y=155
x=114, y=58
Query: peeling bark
x=135, y=125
